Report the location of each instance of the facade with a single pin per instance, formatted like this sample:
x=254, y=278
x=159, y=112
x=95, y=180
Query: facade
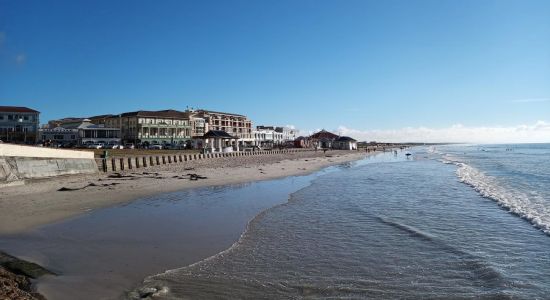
x=236, y=125
x=302, y=142
x=19, y=124
x=345, y=143
x=79, y=134
x=289, y=134
x=89, y=133
x=267, y=137
x=59, y=136
x=153, y=127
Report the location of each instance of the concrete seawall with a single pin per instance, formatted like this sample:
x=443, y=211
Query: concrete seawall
x=18, y=163
x=116, y=164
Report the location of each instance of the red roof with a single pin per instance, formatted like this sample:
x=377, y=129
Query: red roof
x=323, y=134
x=17, y=109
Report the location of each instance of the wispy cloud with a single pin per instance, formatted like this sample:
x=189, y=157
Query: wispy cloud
x=531, y=100
x=539, y=132
x=20, y=58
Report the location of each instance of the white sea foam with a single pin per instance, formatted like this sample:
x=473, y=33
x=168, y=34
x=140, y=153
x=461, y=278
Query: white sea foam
x=517, y=202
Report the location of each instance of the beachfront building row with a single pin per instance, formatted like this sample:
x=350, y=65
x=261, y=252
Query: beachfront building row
x=181, y=129
x=200, y=129
x=19, y=124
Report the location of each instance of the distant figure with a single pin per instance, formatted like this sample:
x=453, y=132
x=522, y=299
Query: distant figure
x=325, y=151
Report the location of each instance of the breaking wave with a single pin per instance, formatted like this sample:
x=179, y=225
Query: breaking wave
x=516, y=202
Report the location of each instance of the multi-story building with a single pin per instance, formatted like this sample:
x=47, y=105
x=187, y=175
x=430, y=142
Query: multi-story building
x=19, y=124
x=234, y=124
x=267, y=137
x=79, y=134
x=153, y=127
x=289, y=134
x=198, y=124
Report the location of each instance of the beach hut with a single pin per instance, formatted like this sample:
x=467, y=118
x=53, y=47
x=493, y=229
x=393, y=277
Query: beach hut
x=345, y=143
x=323, y=139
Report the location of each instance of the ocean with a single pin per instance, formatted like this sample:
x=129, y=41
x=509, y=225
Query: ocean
x=452, y=222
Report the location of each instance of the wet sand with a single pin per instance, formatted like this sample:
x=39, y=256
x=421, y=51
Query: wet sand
x=102, y=252
x=40, y=202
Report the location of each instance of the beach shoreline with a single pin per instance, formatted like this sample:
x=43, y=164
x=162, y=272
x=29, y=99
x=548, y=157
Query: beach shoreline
x=52, y=200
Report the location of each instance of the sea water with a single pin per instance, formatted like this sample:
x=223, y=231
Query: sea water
x=453, y=222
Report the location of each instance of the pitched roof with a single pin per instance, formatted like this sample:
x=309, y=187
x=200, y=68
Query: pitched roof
x=204, y=111
x=323, y=134
x=168, y=113
x=17, y=109
x=218, y=134
x=69, y=119
x=345, y=139
x=101, y=116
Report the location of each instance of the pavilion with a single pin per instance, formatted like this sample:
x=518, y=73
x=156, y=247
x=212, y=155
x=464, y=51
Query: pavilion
x=220, y=141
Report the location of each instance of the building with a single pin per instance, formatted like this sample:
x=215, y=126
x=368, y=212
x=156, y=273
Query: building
x=19, y=124
x=323, y=139
x=59, y=136
x=345, y=143
x=235, y=125
x=289, y=134
x=302, y=142
x=220, y=141
x=267, y=137
x=89, y=133
x=79, y=134
x=163, y=127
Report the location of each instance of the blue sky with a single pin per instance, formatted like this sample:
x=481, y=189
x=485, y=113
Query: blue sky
x=352, y=66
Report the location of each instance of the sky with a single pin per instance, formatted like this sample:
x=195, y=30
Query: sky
x=433, y=71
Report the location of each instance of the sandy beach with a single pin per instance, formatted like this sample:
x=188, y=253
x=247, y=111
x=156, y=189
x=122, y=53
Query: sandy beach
x=50, y=201
x=44, y=201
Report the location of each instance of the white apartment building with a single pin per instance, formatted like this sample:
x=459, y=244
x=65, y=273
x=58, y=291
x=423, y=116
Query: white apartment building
x=267, y=137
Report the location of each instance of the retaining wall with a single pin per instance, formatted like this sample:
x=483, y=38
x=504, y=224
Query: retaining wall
x=37, y=152
x=116, y=164
x=26, y=162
